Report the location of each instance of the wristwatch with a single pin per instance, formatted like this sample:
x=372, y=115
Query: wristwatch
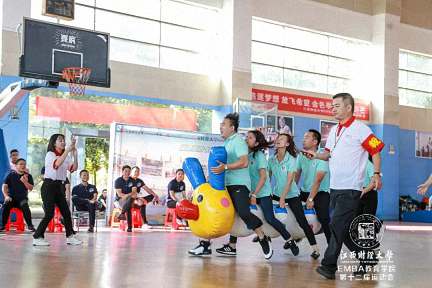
x=226, y=166
x=310, y=199
x=378, y=173
x=253, y=195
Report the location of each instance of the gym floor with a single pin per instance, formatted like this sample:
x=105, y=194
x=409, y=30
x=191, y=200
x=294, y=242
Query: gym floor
x=157, y=258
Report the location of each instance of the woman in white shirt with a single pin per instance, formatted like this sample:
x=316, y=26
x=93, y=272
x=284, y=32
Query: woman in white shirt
x=58, y=160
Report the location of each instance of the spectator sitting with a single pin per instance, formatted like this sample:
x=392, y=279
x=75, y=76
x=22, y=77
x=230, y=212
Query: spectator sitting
x=15, y=190
x=84, y=198
x=176, y=189
x=102, y=201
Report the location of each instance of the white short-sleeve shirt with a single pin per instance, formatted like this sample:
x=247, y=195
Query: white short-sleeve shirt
x=59, y=173
x=349, y=146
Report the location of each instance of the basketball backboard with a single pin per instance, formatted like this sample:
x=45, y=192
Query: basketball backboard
x=49, y=48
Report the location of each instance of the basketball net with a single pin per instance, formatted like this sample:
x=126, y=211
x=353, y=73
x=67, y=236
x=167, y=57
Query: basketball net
x=77, y=78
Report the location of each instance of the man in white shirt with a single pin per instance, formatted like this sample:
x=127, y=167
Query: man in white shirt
x=14, y=156
x=347, y=150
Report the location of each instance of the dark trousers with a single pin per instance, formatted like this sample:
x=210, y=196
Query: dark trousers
x=240, y=197
x=344, y=204
x=21, y=204
x=130, y=204
x=368, y=203
x=171, y=203
x=53, y=194
x=84, y=205
x=321, y=206
x=297, y=208
x=266, y=204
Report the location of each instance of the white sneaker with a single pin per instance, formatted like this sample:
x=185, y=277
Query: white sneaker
x=73, y=240
x=40, y=242
x=146, y=226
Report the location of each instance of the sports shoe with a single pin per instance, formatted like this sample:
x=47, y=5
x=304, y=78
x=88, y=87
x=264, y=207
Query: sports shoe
x=90, y=230
x=202, y=249
x=256, y=239
x=146, y=226
x=326, y=273
x=40, y=242
x=31, y=228
x=315, y=255
x=227, y=250
x=73, y=240
x=290, y=244
x=129, y=230
x=266, y=247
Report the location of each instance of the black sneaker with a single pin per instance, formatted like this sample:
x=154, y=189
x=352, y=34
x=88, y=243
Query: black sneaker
x=266, y=247
x=31, y=228
x=227, y=250
x=90, y=230
x=202, y=249
x=290, y=244
x=129, y=230
x=315, y=255
x=326, y=273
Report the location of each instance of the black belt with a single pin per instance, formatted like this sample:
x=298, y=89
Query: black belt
x=48, y=180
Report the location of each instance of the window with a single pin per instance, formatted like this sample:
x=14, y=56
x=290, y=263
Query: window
x=168, y=34
x=295, y=58
x=415, y=80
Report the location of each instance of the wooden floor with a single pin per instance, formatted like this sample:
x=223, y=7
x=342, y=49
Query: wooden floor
x=154, y=258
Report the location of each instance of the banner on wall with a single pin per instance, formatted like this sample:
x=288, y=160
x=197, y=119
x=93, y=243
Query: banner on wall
x=423, y=144
x=305, y=104
x=158, y=153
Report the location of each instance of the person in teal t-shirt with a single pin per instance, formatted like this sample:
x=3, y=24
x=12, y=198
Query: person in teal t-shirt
x=316, y=181
x=261, y=188
x=283, y=167
x=369, y=197
x=238, y=183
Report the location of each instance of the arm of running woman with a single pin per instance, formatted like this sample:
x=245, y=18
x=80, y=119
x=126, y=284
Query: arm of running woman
x=314, y=190
x=243, y=162
x=287, y=188
x=261, y=182
x=422, y=188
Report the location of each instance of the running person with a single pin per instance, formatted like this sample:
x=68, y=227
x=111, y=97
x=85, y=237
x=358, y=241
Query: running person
x=261, y=188
x=283, y=166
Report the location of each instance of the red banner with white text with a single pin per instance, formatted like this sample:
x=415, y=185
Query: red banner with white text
x=306, y=104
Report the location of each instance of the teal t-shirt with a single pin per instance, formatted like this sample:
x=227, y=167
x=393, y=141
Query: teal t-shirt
x=279, y=171
x=255, y=164
x=369, y=173
x=309, y=170
x=236, y=147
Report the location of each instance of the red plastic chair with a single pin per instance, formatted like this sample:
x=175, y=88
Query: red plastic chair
x=19, y=220
x=171, y=219
x=137, y=221
x=55, y=224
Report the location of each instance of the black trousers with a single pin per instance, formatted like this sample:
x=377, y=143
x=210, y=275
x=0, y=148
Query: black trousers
x=130, y=204
x=266, y=204
x=297, y=208
x=84, y=205
x=20, y=203
x=345, y=204
x=53, y=194
x=240, y=197
x=368, y=203
x=321, y=205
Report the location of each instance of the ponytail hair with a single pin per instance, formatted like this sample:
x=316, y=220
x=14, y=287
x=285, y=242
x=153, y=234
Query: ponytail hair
x=291, y=149
x=263, y=144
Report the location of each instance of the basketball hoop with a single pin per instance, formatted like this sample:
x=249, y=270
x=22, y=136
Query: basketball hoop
x=77, y=78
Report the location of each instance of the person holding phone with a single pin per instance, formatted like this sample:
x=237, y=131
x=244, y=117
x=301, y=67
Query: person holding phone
x=58, y=161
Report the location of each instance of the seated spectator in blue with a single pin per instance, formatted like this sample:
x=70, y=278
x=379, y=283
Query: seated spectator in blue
x=126, y=193
x=102, y=201
x=15, y=188
x=84, y=198
x=176, y=189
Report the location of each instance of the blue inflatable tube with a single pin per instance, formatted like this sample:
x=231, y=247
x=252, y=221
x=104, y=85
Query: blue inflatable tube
x=4, y=161
x=217, y=153
x=194, y=171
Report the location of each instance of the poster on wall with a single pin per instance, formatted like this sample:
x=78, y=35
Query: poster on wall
x=423, y=144
x=158, y=152
x=325, y=127
x=283, y=124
